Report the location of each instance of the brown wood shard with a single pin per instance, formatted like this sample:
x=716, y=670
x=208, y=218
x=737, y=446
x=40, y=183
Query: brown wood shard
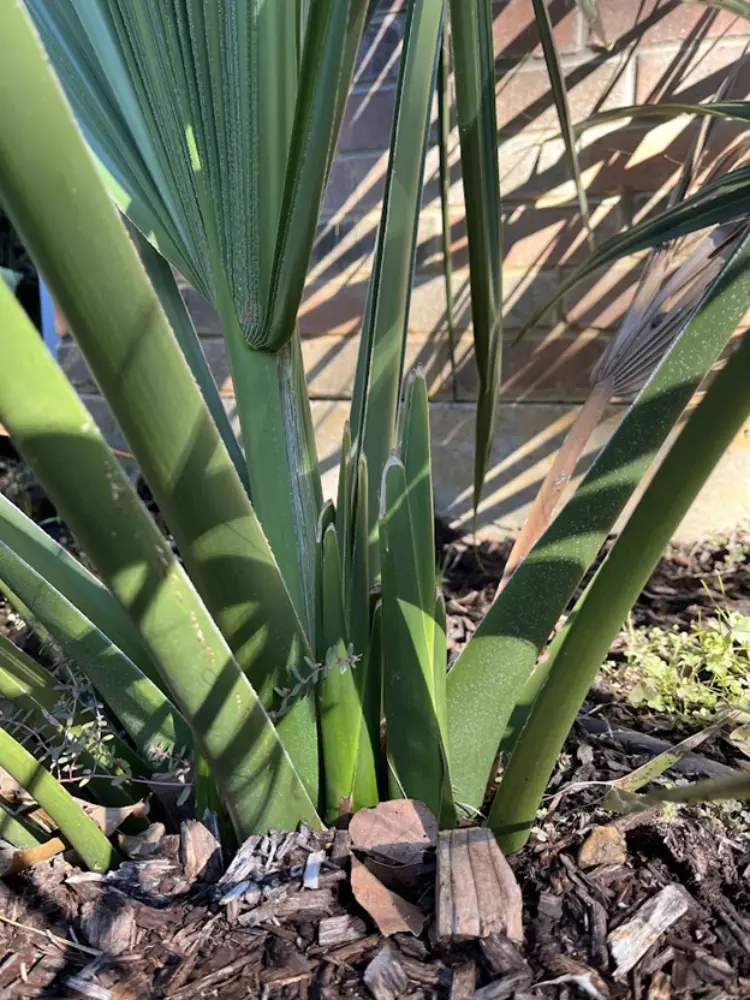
x=392, y=913
x=477, y=893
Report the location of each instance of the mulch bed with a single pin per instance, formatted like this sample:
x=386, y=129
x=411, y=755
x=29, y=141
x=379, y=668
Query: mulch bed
x=153, y=929
x=174, y=924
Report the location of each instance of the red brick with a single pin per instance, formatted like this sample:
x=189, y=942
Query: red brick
x=515, y=32
x=610, y=167
x=356, y=183
x=661, y=78
x=348, y=246
x=601, y=302
x=557, y=367
x=532, y=237
x=525, y=293
x=367, y=119
x=524, y=99
x=541, y=237
x=378, y=56
x=332, y=308
x=338, y=307
x=343, y=247
x=530, y=168
x=650, y=21
x=621, y=161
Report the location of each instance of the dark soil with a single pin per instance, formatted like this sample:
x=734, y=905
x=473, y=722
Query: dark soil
x=155, y=929
x=13, y=256
x=688, y=582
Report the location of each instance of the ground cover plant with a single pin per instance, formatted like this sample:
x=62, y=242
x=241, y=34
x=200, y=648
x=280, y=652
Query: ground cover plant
x=294, y=650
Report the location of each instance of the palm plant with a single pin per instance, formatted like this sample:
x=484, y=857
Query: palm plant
x=295, y=648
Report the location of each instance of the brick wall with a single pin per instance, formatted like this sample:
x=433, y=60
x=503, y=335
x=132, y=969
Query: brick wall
x=658, y=50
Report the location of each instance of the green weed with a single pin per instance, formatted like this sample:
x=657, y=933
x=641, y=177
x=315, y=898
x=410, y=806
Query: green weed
x=693, y=675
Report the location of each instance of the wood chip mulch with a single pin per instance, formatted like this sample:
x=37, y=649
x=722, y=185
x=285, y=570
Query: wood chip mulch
x=186, y=922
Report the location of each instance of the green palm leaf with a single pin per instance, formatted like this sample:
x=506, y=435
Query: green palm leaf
x=57, y=437
x=560, y=97
x=92, y=846
x=471, y=27
x=578, y=651
x=135, y=358
x=379, y=375
x=145, y=713
x=739, y=110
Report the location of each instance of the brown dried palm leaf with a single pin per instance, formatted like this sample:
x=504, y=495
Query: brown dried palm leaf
x=671, y=288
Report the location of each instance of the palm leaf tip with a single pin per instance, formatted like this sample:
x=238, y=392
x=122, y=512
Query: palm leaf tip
x=670, y=291
x=674, y=281
x=664, y=303
x=593, y=17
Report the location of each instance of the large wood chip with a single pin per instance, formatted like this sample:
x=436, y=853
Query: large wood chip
x=605, y=845
x=477, y=892
x=245, y=864
x=200, y=852
x=400, y=830
x=630, y=942
x=660, y=987
x=506, y=988
x=584, y=982
x=431, y=974
x=304, y=904
x=341, y=847
x=142, y=845
x=333, y=931
x=384, y=976
x=501, y=955
x=392, y=913
x=109, y=923
x=568, y=970
x=349, y=952
x=463, y=984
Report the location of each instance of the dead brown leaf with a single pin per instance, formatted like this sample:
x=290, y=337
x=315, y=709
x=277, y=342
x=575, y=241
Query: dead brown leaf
x=110, y=818
x=15, y=861
x=400, y=830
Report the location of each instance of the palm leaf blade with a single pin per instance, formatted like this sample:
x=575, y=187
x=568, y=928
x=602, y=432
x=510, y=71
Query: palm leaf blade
x=471, y=28
x=56, y=435
x=379, y=373
x=148, y=717
x=90, y=843
x=560, y=97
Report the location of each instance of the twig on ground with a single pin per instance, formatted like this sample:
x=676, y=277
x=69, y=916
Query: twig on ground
x=64, y=942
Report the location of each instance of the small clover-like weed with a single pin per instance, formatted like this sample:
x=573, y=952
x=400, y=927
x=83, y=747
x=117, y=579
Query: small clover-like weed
x=691, y=675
